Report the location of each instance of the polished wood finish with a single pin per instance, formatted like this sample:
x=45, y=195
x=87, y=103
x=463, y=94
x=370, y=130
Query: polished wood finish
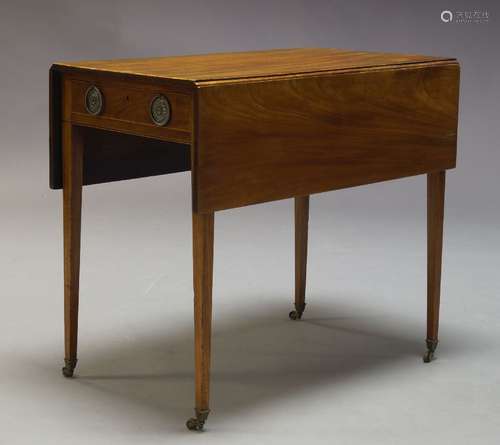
x=72, y=208
x=206, y=82
x=277, y=139
x=125, y=112
x=249, y=64
x=435, y=217
x=301, y=232
x=254, y=127
x=127, y=108
x=203, y=252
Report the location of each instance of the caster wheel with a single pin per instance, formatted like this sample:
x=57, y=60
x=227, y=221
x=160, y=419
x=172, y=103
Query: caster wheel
x=194, y=424
x=294, y=315
x=431, y=347
x=197, y=423
x=67, y=372
x=428, y=356
x=69, y=368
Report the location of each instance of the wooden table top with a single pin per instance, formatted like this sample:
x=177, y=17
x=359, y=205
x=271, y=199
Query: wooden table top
x=254, y=64
x=261, y=125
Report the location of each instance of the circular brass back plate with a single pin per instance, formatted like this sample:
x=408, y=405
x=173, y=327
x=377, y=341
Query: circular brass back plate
x=159, y=110
x=93, y=100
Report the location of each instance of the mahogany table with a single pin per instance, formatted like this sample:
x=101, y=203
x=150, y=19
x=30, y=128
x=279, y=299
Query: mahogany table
x=251, y=127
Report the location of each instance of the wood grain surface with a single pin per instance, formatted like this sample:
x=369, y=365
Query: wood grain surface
x=72, y=216
x=238, y=65
x=203, y=254
x=127, y=108
x=301, y=217
x=275, y=139
x=129, y=83
x=435, y=218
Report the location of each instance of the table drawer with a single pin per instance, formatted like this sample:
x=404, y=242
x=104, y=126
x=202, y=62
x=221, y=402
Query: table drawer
x=136, y=108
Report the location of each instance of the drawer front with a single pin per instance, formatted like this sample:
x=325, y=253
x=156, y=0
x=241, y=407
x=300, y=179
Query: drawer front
x=130, y=107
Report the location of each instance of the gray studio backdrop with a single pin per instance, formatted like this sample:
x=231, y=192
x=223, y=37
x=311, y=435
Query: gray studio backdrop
x=367, y=252
x=34, y=34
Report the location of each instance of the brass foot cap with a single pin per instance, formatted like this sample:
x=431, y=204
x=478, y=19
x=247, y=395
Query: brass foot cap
x=197, y=423
x=69, y=368
x=428, y=357
x=297, y=313
x=431, y=347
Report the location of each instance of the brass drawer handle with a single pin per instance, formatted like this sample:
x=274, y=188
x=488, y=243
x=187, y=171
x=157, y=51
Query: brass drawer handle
x=93, y=100
x=159, y=110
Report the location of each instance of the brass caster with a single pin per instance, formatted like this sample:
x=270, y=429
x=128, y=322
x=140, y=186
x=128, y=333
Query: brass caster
x=297, y=313
x=428, y=356
x=431, y=347
x=69, y=368
x=197, y=423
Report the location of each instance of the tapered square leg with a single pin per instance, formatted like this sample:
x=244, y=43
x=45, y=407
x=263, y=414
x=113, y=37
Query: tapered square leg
x=435, y=218
x=203, y=252
x=72, y=208
x=301, y=232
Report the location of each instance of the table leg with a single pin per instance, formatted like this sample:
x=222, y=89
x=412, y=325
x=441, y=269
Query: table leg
x=72, y=207
x=435, y=216
x=203, y=252
x=301, y=229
